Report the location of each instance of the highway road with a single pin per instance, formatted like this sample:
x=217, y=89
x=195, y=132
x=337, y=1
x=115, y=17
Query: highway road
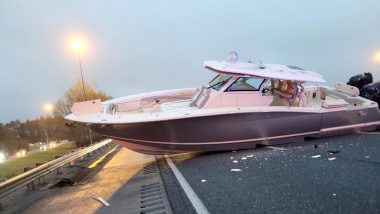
x=330, y=175
x=113, y=183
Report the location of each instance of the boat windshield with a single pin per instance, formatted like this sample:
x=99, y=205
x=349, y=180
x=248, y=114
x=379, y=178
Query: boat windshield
x=219, y=81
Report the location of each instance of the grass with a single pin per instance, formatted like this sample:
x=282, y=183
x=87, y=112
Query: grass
x=16, y=166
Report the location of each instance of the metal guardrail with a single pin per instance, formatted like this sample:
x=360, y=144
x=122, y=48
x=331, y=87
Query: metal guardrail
x=24, y=179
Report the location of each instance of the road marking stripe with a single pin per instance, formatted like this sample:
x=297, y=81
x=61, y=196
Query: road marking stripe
x=94, y=164
x=194, y=199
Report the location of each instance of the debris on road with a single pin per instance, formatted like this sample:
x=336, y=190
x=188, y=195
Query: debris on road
x=244, y=158
x=101, y=200
x=334, y=194
x=333, y=151
x=203, y=180
x=235, y=161
x=235, y=170
x=333, y=158
x=277, y=148
x=316, y=156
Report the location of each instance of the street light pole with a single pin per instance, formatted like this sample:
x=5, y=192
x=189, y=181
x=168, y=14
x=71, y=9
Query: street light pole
x=47, y=137
x=78, y=46
x=49, y=109
x=81, y=74
x=84, y=92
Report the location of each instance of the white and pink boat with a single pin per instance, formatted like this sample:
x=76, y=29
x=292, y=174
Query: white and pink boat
x=245, y=104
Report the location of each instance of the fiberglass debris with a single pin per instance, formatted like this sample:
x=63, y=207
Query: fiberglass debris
x=333, y=151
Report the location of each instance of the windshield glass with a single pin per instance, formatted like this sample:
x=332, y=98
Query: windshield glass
x=219, y=81
x=246, y=84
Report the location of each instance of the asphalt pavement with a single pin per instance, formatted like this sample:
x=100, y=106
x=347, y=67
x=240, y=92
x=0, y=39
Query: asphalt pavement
x=122, y=179
x=330, y=175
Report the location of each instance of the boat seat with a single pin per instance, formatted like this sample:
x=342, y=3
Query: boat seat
x=348, y=89
x=283, y=99
x=331, y=102
x=355, y=101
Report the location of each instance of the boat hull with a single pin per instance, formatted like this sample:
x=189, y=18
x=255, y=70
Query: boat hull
x=235, y=131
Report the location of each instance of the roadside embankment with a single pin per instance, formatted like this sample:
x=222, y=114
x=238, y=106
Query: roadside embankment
x=16, y=166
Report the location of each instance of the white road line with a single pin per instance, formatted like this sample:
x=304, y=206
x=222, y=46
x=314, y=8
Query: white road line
x=194, y=199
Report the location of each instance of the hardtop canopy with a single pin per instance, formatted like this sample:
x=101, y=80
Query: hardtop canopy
x=268, y=71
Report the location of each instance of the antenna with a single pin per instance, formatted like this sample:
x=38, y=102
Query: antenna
x=261, y=65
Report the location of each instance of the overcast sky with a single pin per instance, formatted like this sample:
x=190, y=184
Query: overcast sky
x=138, y=46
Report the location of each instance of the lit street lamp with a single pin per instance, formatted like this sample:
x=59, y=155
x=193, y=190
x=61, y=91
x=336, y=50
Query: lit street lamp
x=48, y=107
x=377, y=56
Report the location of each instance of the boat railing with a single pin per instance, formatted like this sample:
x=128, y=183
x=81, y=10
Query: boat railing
x=203, y=98
x=196, y=95
x=200, y=97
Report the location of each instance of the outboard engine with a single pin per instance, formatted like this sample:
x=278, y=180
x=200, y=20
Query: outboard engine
x=360, y=80
x=371, y=92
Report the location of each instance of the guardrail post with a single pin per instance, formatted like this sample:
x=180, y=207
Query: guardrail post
x=56, y=157
x=30, y=186
x=41, y=180
x=73, y=161
x=33, y=185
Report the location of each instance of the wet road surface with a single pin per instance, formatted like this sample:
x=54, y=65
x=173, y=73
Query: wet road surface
x=330, y=175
